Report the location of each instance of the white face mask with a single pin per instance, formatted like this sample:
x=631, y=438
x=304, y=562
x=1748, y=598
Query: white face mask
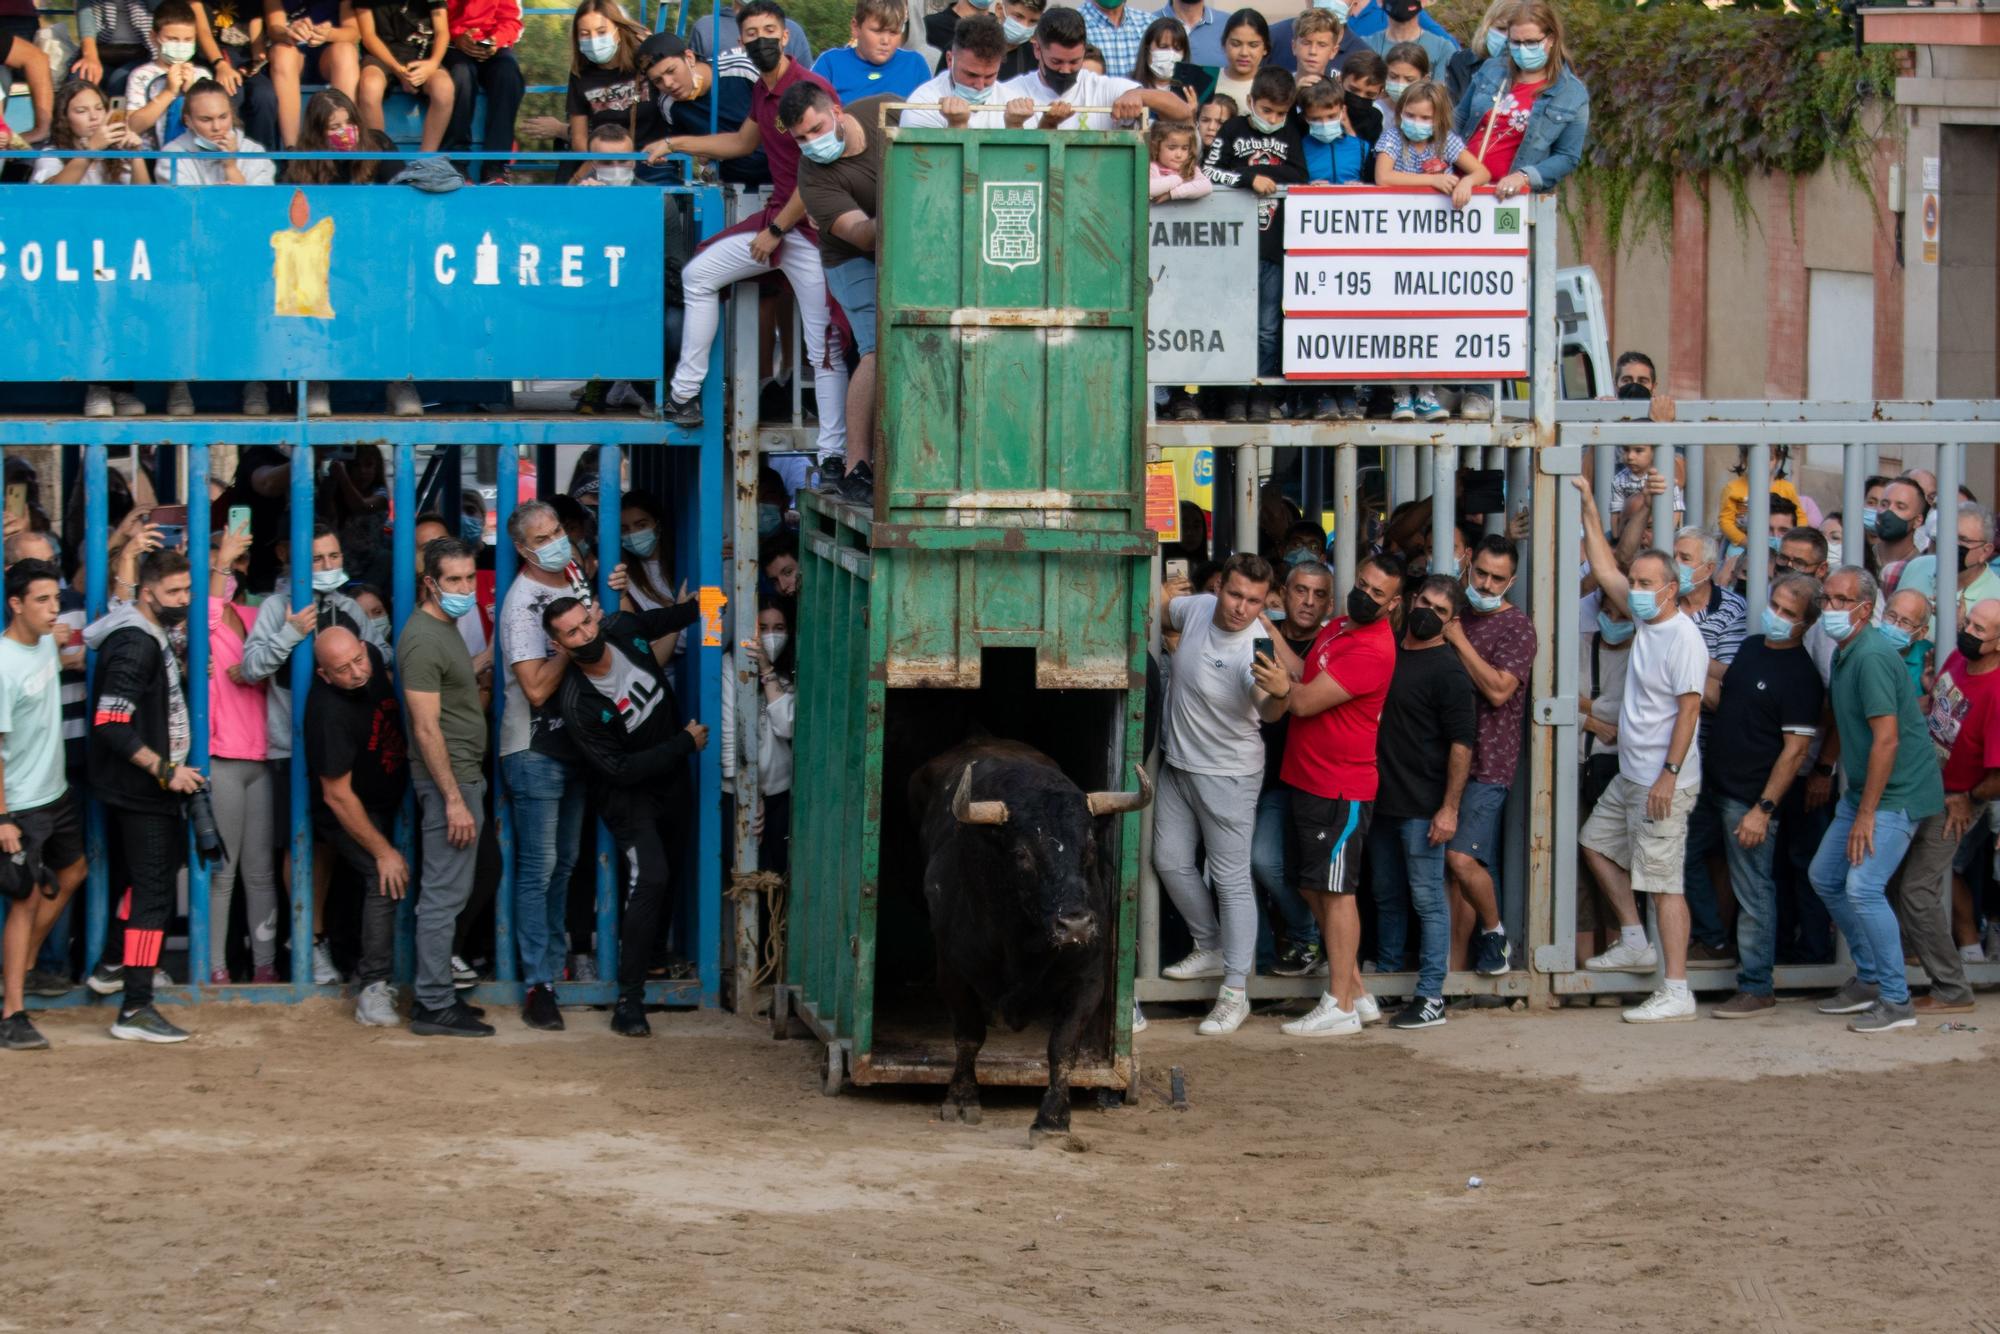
x=615, y=173
x=1163, y=61
x=177, y=53
x=774, y=642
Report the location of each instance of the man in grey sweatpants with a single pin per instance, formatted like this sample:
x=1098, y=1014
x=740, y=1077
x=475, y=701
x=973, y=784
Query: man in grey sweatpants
x=441, y=693
x=1209, y=785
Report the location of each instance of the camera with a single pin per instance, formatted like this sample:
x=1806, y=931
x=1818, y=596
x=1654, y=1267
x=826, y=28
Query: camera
x=207, y=838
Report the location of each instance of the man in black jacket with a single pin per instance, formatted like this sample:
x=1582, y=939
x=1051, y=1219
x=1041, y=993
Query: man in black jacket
x=139, y=741
x=621, y=715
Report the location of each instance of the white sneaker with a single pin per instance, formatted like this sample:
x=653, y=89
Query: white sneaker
x=376, y=1007
x=319, y=402
x=404, y=401
x=463, y=975
x=256, y=399
x=1474, y=405
x=1972, y=953
x=1662, y=1007
x=1138, y=1018
x=180, y=402
x=1368, y=1009
x=1232, y=1007
x=324, y=973
x=127, y=404
x=1326, y=1020
x=96, y=400
x=1200, y=964
x=1622, y=958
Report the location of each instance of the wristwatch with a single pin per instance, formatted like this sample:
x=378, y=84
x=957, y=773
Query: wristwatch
x=775, y=230
x=1671, y=768
x=1766, y=805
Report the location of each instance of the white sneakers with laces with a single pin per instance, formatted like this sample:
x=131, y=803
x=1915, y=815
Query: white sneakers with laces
x=1622, y=958
x=1368, y=1010
x=1662, y=1007
x=1326, y=1020
x=1198, y=965
x=1232, y=1007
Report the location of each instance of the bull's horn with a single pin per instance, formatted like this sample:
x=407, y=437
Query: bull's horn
x=1117, y=803
x=969, y=811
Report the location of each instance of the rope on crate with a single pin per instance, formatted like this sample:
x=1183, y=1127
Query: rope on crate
x=771, y=949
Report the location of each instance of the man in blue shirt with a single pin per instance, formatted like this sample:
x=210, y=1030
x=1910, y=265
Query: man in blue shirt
x=875, y=61
x=1203, y=23
x=691, y=92
x=1117, y=30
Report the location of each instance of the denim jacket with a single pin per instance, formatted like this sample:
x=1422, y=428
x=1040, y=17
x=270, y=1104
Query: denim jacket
x=1557, y=127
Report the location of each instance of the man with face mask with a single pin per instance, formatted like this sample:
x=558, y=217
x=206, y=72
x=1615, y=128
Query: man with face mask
x=621, y=715
x=358, y=756
x=140, y=738
x=1059, y=83
x=1902, y=514
x=1425, y=751
x=1405, y=24
x=1965, y=729
x=966, y=91
x=1635, y=840
x=1331, y=773
x=1722, y=617
x=544, y=791
x=1976, y=580
x=1307, y=602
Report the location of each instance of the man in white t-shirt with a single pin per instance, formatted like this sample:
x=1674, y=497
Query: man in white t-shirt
x=1059, y=84
x=967, y=89
x=1635, y=841
x=1213, y=773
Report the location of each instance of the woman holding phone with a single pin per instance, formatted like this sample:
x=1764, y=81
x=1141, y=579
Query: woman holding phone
x=239, y=778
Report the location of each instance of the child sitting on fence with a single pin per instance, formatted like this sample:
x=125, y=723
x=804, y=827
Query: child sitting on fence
x=18, y=53
x=333, y=125
x=319, y=42
x=1411, y=153
x=403, y=43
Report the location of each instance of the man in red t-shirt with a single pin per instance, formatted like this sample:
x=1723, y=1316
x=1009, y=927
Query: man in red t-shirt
x=1336, y=709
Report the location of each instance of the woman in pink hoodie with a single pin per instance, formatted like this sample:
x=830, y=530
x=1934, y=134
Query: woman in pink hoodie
x=240, y=779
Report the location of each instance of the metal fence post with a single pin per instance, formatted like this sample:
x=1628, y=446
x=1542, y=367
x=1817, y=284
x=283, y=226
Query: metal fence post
x=197, y=686
x=403, y=588
x=1347, y=506
x=1444, y=509
x=609, y=505
x=1756, y=529
x=1663, y=504
x=96, y=537
x=1246, y=498
x=300, y=671
x=1697, y=485
x=1854, y=468
x=506, y=487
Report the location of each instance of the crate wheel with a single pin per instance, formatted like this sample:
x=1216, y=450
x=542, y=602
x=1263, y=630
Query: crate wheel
x=836, y=1070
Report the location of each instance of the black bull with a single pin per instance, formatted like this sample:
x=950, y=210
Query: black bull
x=1019, y=903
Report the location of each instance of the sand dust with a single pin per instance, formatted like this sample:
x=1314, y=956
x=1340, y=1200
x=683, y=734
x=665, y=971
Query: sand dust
x=288, y=1169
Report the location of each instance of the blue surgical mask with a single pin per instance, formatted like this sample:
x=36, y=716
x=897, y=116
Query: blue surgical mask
x=456, y=605
x=1529, y=57
x=329, y=581
x=1839, y=624
x=599, y=49
x=1394, y=88
x=1895, y=634
x=642, y=542
x=1776, y=628
x=1482, y=601
x=1263, y=126
x=1275, y=615
x=1614, y=632
x=770, y=518
x=552, y=555
x=1645, y=604
x=1016, y=32
x=1326, y=131
x=976, y=96
x=1338, y=8
x=378, y=626
x=1416, y=131
x=826, y=148
x=1776, y=541
x=980, y=4
x=205, y=144
x=1496, y=43
x=1685, y=574
x=1868, y=518
x=472, y=528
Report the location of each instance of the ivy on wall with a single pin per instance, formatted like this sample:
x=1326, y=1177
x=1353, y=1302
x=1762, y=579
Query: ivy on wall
x=1716, y=95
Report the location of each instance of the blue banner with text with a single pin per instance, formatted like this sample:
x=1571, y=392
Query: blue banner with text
x=332, y=283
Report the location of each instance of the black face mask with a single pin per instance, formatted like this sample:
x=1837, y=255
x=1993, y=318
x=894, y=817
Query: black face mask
x=1426, y=624
x=1964, y=557
x=1058, y=83
x=1634, y=390
x=1891, y=526
x=764, y=53
x=1402, y=11
x=1361, y=608
x=169, y=617
x=590, y=653
x=1970, y=646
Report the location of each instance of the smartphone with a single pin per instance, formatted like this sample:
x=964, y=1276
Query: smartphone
x=1264, y=647
x=239, y=521
x=170, y=515
x=1177, y=568
x=172, y=535
x=17, y=500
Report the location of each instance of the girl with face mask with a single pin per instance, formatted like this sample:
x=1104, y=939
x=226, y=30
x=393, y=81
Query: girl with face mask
x=239, y=776
x=1489, y=42
x=1527, y=117
x=606, y=85
x=332, y=125
x=1163, y=62
x=771, y=653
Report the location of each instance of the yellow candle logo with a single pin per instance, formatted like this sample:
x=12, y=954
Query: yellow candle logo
x=302, y=259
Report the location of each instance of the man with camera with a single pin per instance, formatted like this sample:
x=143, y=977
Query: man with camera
x=140, y=737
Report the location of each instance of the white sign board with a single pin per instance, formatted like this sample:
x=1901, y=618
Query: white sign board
x=1337, y=219
x=1201, y=256
x=1407, y=351
x=1363, y=284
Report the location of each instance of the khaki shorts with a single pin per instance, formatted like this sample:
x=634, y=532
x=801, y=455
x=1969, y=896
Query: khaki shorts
x=1654, y=851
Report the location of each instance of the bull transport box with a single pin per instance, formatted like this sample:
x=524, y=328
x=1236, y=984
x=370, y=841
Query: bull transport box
x=998, y=589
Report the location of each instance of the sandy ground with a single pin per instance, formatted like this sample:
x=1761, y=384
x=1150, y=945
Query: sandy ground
x=288, y=1169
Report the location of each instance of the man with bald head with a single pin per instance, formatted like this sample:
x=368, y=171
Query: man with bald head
x=358, y=757
x=1965, y=728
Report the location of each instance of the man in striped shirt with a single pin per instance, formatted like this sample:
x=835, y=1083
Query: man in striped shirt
x=1722, y=617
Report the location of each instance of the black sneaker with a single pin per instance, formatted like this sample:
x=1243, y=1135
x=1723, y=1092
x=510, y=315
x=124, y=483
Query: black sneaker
x=628, y=1019
x=1298, y=961
x=41, y=982
x=146, y=1024
x=18, y=1034
x=858, y=487
x=1421, y=1012
x=539, y=1010
x=1492, y=953
x=830, y=470
x=453, y=1021
x=107, y=979
x=681, y=413
x=1235, y=406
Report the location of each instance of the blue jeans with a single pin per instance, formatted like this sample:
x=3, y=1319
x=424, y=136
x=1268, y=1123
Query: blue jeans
x=1270, y=316
x=1402, y=860
x=546, y=800
x=1706, y=832
x=1756, y=897
x=1857, y=898
x=1270, y=869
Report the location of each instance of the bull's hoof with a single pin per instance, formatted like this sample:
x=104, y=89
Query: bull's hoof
x=1055, y=1137
x=957, y=1110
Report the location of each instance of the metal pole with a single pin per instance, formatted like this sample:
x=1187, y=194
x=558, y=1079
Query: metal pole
x=749, y=699
x=1854, y=467
x=1697, y=485
x=710, y=475
x=609, y=505
x=1148, y=965
x=197, y=700
x=403, y=588
x=1604, y=460
x=1403, y=478
x=1757, y=527
x=1496, y=458
x=1552, y=749
x=96, y=538
x=1521, y=496
x=1246, y=498
x=1944, y=634
x=1444, y=509
x=1422, y=473
x=301, y=671
x=506, y=487
x=1347, y=508
x=1663, y=504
